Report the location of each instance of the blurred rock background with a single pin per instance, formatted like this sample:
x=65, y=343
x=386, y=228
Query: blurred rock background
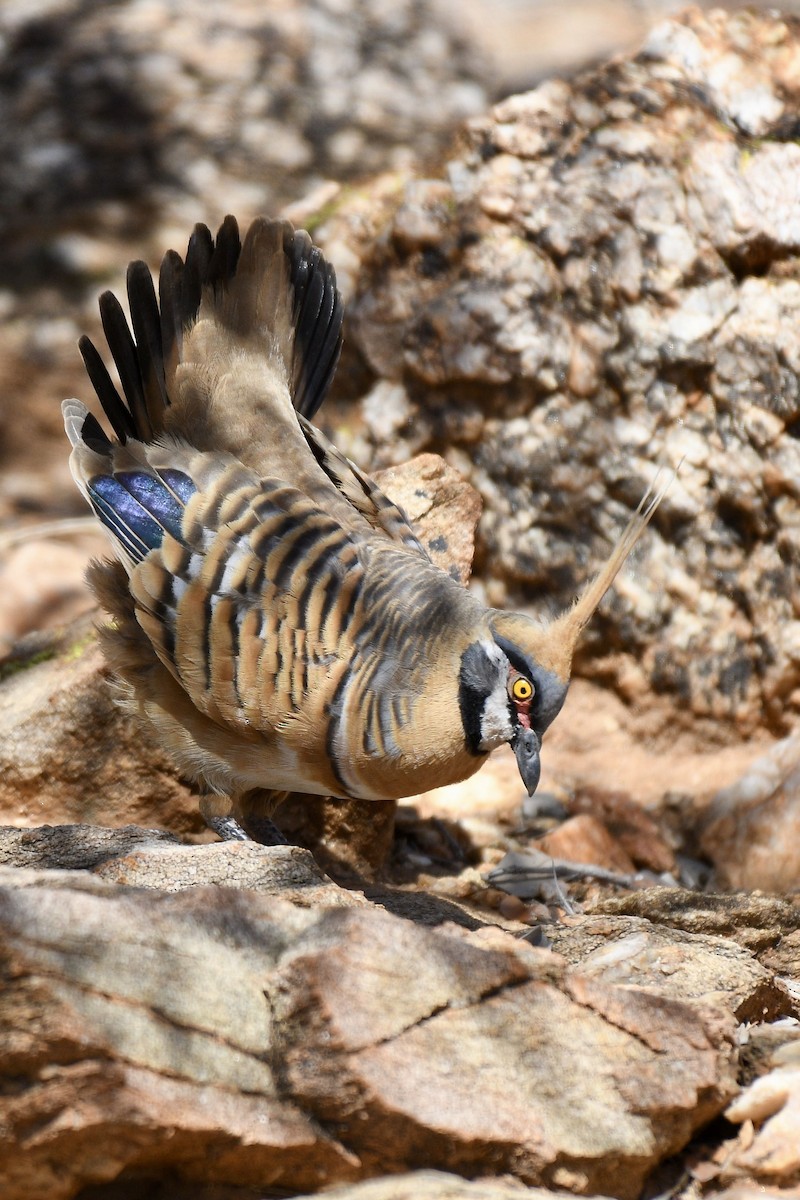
x=568, y=236
x=558, y=295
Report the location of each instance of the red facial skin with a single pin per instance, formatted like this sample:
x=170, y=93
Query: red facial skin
x=523, y=707
x=524, y=713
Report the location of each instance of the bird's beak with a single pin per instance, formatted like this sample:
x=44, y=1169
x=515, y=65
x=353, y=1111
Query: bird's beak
x=526, y=744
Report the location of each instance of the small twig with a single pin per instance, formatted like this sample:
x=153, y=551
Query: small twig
x=520, y=874
x=63, y=527
x=561, y=894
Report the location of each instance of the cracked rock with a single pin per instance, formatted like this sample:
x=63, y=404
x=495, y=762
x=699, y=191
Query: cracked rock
x=219, y=1035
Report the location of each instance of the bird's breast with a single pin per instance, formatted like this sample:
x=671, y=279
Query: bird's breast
x=385, y=743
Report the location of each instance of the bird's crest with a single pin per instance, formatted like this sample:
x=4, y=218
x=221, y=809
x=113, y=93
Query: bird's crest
x=568, y=627
x=552, y=645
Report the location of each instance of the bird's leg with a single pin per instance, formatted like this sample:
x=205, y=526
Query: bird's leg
x=216, y=811
x=228, y=829
x=254, y=809
x=265, y=832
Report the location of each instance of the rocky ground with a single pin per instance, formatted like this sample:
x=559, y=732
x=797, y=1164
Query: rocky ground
x=588, y=281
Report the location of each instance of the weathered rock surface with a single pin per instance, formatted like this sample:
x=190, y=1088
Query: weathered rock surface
x=151, y=858
x=68, y=753
x=42, y=581
x=436, y=1185
x=759, y=923
x=750, y=830
x=668, y=962
x=124, y=124
x=229, y=1036
x=768, y=1148
x=602, y=282
x=170, y=105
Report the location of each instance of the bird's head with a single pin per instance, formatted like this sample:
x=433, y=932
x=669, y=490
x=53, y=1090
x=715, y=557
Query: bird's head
x=514, y=680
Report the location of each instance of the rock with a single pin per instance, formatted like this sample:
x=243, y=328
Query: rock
x=639, y=834
x=151, y=1053
x=42, y=584
x=783, y=956
x=67, y=753
x=584, y=839
x=751, y=829
x=224, y=1036
x=769, y=1147
x=689, y=967
x=759, y=923
x=601, y=304
x=750, y=1191
x=75, y=847
x=151, y=858
x=389, y=1081
x=156, y=120
x=439, y=502
x=123, y=129
x=435, y=1185
x=350, y=839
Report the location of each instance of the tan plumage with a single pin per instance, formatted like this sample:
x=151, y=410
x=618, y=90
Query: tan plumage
x=275, y=618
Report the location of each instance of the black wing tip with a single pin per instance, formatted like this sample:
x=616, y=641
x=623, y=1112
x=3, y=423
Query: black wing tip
x=318, y=316
x=159, y=322
x=111, y=402
x=138, y=270
x=225, y=256
x=94, y=436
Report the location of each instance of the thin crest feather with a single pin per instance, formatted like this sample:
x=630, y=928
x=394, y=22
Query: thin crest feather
x=570, y=624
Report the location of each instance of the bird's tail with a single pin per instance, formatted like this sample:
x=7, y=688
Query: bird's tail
x=273, y=297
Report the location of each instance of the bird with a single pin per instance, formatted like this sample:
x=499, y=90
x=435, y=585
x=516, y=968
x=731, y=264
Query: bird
x=275, y=621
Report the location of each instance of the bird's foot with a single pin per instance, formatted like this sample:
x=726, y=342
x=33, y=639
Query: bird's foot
x=228, y=829
x=259, y=829
x=265, y=832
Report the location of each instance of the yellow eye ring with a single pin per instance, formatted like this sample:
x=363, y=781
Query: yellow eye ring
x=521, y=689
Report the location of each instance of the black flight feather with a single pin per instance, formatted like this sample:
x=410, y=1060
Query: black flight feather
x=123, y=351
x=146, y=322
x=112, y=403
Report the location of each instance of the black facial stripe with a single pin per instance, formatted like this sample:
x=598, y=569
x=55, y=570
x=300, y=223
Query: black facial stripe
x=471, y=704
x=476, y=680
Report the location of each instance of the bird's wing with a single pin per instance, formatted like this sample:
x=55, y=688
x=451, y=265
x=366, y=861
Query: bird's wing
x=235, y=355
x=243, y=585
x=276, y=289
x=241, y=339
x=381, y=513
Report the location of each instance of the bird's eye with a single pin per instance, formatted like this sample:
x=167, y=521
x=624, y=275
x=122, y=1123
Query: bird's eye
x=521, y=689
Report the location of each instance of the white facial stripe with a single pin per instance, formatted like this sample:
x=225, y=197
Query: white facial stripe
x=495, y=654
x=496, y=726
